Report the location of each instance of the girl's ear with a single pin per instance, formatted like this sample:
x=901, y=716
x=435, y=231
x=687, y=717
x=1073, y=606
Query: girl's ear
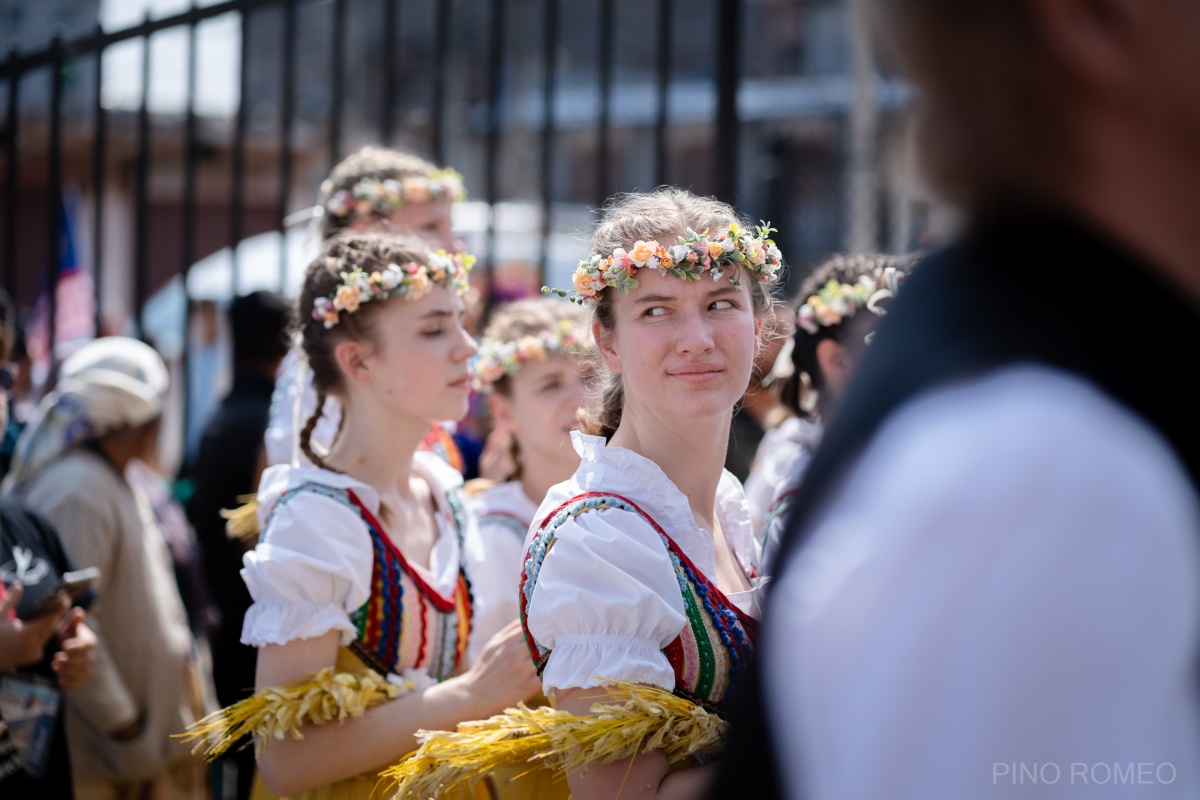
x=604, y=339
x=351, y=356
x=834, y=363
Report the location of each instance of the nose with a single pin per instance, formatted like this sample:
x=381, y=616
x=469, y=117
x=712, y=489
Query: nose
x=467, y=346
x=695, y=335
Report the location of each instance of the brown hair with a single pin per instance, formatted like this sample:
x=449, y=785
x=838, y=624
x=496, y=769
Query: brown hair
x=990, y=107
x=369, y=252
x=379, y=163
x=529, y=317
x=665, y=213
x=808, y=377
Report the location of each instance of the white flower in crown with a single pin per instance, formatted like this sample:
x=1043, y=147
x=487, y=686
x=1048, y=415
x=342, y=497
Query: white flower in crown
x=392, y=277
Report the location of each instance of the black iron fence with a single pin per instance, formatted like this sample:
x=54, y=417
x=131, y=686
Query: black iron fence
x=547, y=104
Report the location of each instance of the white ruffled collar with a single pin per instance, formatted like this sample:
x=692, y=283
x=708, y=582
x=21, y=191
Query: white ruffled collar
x=444, y=559
x=621, y=471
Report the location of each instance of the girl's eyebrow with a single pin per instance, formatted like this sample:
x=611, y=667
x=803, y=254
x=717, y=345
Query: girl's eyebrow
x=437, y=312
x=655, y=298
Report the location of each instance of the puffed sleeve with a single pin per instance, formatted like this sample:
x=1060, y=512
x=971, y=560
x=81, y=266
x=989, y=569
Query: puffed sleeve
x=309, y=572
x=606, y=603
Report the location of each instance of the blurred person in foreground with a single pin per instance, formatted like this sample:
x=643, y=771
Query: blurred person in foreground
x=229, y=465
x=993, y=567
x=69, y=465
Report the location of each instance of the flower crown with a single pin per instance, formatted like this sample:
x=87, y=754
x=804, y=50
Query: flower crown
x=696, y=253
x=838, y=301
x=412, y=281
x=497, y=359
x=373, y=196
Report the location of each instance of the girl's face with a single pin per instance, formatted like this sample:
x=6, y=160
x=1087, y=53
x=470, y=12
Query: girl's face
x=417, y=364
x=540, y=408
x=429, y=221
x=684, y=348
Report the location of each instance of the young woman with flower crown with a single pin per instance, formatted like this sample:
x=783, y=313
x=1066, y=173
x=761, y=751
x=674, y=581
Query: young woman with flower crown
x=375, y=188
x=837, y=309
x=362, y=581
x=533, y=365
x=640, y=575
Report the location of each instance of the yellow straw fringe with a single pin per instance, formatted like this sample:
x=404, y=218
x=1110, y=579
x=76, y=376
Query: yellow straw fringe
x=273, y=713
x=649, y=718
x=241, y=523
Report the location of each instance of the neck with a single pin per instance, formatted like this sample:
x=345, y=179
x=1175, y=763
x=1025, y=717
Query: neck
x=692, y=454
x=377, y=448
x=764, y=406
x=1142, y=184
x=538, y=474
x=117, y=450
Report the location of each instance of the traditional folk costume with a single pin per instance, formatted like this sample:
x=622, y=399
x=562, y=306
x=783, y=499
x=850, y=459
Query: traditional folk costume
x=618, y=582
x=325, y=563
x=503, y=513
x=616, y=592
x=617, y=589
x=779, y=466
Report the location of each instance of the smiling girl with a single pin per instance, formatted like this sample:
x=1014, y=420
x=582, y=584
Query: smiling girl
x=642, y=566
x=367, y=559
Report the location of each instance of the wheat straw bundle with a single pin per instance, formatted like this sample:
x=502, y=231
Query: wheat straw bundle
x=241, y=523
x=634, y=718
x=327, y=696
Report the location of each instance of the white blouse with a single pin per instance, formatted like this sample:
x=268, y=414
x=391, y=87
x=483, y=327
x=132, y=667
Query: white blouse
x=779, y=466
x=607, y=599
x=312, y=567
x=503, y=514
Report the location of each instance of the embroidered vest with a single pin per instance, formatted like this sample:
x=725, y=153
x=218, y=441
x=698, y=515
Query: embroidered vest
x=712, y=652
x=1032, y=288
x=405, y=623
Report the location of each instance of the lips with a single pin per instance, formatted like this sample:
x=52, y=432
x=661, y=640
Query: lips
x=697, y=373
x=462, y=383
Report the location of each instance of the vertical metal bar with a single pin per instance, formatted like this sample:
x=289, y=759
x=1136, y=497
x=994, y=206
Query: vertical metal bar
x=728, y=68
x=492, y=145
x=141, y=259
x=12, y=131
x=99, y=143
x=549, y=63
x=661, y=166
x=187, y=234
x=390, y=48
x=337, y=81
x=287, y=112
x=607, y=12
x=441, y=57
x=54, y=192
x=237, y=181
